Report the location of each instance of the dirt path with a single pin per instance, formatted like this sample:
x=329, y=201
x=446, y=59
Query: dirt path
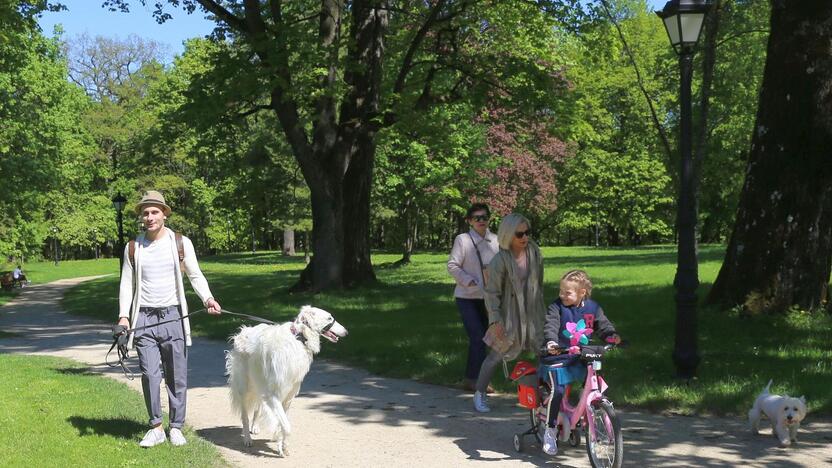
x=345, y=417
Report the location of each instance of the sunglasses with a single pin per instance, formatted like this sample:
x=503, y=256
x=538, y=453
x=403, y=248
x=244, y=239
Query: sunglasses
x=522, y=234
x=480, y=218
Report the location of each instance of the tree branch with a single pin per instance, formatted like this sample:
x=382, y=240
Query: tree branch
x=662, y=134
x=220, y=12
x=741, y=33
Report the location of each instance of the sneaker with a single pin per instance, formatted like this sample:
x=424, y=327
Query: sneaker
x=550, y=443
x=176, y=437
x=152, y=438
x=479, y=403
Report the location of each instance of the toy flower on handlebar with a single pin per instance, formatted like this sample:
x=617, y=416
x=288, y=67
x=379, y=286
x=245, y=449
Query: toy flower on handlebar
x=578, y=334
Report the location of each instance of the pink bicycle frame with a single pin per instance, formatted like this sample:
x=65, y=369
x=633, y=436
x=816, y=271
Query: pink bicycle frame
x=594, y=388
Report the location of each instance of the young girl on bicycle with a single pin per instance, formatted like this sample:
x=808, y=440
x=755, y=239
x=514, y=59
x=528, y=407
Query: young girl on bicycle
x=572, y=306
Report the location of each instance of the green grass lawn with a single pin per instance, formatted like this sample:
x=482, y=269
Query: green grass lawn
x=407, y=325
x=56, y=414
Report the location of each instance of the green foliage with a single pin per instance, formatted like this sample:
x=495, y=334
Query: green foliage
x=42, y=140
x=628, y=191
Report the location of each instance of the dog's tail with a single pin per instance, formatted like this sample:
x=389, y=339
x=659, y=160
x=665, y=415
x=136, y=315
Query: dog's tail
x=766, y=390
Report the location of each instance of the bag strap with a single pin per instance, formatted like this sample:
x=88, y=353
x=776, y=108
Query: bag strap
x=180, y=249
x=477, y=250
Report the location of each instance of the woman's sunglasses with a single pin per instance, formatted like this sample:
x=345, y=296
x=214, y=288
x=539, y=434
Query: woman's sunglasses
x=522, y=234
x=480, y=218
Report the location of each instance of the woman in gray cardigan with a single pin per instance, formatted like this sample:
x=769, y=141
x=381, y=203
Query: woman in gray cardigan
x=513, y=297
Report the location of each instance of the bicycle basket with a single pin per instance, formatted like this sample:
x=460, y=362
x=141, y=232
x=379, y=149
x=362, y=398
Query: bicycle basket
x=525, y=374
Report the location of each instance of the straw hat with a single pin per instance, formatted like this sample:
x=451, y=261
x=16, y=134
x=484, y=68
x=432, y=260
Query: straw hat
x=152, y=197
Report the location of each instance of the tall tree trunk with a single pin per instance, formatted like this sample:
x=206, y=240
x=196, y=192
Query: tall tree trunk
x=358, y=182
x=780, y=250
x=288, y=242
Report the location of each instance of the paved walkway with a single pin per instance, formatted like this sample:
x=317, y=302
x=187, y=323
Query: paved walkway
x=345, y=417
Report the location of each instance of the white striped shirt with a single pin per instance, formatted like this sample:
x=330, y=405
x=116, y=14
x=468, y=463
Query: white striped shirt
x=158, y=283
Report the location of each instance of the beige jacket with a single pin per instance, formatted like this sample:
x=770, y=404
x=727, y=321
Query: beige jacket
x=464, y=265
x=520, y=310
x=128, y=297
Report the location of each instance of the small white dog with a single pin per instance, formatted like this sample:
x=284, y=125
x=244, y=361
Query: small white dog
x=784, y=412
x=268, y=364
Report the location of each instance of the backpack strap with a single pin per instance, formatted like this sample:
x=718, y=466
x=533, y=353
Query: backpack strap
x=180, y=249
x=131, y=252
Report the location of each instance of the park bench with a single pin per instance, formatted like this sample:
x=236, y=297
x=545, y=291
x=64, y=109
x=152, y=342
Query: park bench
x=7, y=281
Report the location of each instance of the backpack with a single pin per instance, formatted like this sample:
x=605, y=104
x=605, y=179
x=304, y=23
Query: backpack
x=131, y=249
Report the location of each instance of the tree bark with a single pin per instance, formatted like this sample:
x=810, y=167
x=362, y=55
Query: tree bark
x=358, y=182
x=780, y=250
x=288, y=242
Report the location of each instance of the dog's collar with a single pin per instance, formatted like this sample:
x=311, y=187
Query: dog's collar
x=298, y=334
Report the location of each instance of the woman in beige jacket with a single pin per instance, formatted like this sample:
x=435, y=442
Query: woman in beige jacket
x=513, y=297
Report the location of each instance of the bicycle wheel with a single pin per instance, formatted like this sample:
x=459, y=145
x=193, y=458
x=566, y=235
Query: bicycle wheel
x=604, y=443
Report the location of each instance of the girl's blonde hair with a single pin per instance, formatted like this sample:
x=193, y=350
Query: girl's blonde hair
x=581, y=278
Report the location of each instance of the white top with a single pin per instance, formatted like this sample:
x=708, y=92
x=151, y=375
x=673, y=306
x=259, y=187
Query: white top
x=464, y=266
x=16, y=273
x=130, y=297
x=158, y=288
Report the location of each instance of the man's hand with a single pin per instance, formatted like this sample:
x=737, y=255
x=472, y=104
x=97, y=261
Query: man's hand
x=124, y=321
x=213, y=306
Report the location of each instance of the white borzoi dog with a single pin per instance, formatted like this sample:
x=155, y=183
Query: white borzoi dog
x=785, y=413
x=268, y=364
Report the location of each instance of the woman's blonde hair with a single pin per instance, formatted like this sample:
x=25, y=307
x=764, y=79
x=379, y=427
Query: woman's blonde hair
x=508, y=226
x=580, y=277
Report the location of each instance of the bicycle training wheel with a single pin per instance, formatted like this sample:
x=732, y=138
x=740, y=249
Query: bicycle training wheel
x=604, y=443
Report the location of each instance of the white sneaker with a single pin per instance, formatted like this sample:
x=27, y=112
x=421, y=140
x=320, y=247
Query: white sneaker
x=152, y=438
x=479, y=403
x=550, y=443
x=176, y=437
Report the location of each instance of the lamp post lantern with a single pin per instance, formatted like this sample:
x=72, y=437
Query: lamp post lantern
x=683, y=20
x=118, y=203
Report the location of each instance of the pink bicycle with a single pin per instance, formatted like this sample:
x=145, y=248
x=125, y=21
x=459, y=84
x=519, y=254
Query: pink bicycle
x=593, y=414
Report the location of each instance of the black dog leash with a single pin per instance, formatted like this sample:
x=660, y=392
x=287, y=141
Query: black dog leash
x=121, y=334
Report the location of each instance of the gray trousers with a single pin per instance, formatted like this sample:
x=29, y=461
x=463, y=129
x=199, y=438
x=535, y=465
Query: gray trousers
x=489, y=365
x=163, y=347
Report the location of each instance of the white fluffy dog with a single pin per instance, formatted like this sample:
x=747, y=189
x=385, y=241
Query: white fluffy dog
x=784, y=412
x=268, y=364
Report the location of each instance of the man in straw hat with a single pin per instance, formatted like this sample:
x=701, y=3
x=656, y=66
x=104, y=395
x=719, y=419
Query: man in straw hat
x=152, y=291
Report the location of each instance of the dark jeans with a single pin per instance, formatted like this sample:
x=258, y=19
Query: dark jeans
x=475, y=321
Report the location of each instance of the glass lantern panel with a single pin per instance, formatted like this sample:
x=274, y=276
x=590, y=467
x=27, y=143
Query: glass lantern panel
x=691, y=25
x=672, y=25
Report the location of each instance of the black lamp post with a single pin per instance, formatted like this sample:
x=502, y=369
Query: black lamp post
x=55, y=243
x=683, y=20
x=118, y=203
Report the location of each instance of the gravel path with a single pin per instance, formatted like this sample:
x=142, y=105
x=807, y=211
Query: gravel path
x=346, y=417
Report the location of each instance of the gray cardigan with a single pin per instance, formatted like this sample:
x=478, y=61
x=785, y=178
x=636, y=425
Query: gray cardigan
x=520, y=310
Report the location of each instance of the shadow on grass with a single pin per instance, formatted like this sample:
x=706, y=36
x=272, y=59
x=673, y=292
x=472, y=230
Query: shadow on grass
x=75, y=371
x=121, y=428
